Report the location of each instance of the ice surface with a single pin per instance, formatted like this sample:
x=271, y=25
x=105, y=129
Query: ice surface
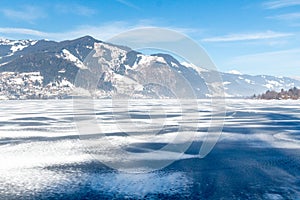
x=257, y=156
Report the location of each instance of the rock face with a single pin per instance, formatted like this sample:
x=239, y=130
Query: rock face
x=48, y=69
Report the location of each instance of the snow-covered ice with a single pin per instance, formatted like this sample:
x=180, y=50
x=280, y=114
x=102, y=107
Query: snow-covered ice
x=257, y=156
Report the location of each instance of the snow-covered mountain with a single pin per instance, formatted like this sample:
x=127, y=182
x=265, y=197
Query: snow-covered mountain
x=9, y=47
x=241, y=85
x=119, y=71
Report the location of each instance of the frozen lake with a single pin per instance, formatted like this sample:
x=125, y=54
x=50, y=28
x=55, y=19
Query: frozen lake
x=256, y=157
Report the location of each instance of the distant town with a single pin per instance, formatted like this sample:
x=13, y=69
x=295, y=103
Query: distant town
x=14, y=86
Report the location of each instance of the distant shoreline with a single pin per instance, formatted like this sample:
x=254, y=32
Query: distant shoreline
x=293, y=94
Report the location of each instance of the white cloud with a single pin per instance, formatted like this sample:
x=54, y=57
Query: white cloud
x=280, y=4
x=75, y=9
x=27, y=13
x=129, y=4
x=289, y=16
x=276, y=62
x=291, y=19
x=22, y=31
x=247, y=36
x=102, y=32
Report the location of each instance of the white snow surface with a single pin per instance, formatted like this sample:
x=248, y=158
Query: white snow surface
x=39, y=139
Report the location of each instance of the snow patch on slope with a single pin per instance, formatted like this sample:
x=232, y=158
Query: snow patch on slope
x=70, y=57
x=2, y=64
x=174, y=64
x=17, y=45
x=125, y=84
x=235, y=72
x=117, y=55
x=191, y=65
x=271, y=84
x=146, y=60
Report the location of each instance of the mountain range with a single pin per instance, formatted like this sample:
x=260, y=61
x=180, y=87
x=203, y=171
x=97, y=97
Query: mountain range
x=45, y=69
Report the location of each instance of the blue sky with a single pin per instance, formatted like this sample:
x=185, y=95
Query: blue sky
x=251, y=36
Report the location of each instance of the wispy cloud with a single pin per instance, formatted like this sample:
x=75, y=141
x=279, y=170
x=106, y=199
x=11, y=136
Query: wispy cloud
x=27, y=13
x=129, y=4
x=22, y=31
x=279, y=62
x=247, y=36
x=291, y=19
x=280, y=4
x=102, y=32
x=75, y=9
x=289, y=16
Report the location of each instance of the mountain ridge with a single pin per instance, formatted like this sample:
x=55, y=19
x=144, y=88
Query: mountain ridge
x=127, y=71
